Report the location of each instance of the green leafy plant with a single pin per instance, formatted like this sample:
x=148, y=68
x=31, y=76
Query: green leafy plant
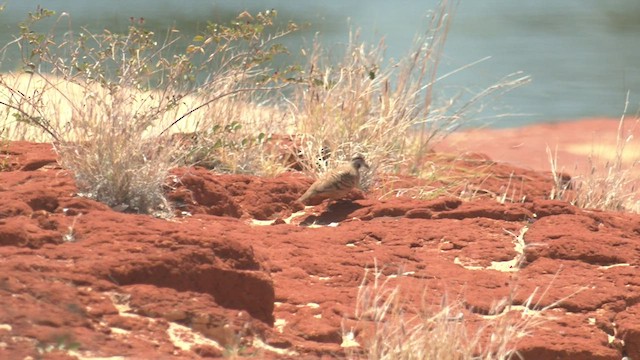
x=225, y=148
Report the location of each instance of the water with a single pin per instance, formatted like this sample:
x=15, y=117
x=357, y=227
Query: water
x=583, y=55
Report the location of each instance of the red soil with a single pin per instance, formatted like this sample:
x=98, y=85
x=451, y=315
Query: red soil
x=76, y=275
x=573, y=142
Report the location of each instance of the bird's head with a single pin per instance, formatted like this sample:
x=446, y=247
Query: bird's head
x=358, y=162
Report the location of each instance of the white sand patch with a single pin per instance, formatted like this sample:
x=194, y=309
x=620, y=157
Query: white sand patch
x=310, y=305
x=523, y=309
x=61, y=100
x=349, y=340
x=405, y=273
x=605, y=151
x=316, y=226
x=119, y=331
x=256, y=222
x=321, y=278
x=121, y=303
x=518, y=246
x=181, y=337
x=87, y=355
x=279, y=325
x=503, y=266
x=607, y=267
x=293, y=216
x=467, y=265
x=259, y=344
x=287, y=220
x=185, y=338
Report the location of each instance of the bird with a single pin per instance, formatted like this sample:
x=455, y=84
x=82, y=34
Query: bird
x=335, y=184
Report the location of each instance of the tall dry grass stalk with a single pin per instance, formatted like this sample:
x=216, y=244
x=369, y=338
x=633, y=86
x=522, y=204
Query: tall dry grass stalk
x=388, y=112
x=608, y=184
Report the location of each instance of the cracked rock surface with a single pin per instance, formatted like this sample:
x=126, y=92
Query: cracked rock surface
x=244, y=268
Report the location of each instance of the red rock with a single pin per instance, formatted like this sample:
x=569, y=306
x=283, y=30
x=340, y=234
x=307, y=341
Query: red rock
x=78, y=205
x=580, y=237
x=23, y=231
x=543, y=207
x=628, y=324
x=197, y=191
x=11, y=207
x=76, y=273
x=27, y=156
x=237, y=195
x=549, y=339
x=485, y=208
x=207, y=351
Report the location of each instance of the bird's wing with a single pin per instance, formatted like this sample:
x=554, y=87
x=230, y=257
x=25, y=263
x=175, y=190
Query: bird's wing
x=340, y=180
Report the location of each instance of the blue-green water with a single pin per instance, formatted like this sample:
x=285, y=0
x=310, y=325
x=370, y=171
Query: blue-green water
x=583, y=55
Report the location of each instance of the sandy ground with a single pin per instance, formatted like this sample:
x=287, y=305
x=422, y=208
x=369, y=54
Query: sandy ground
x=573, y=142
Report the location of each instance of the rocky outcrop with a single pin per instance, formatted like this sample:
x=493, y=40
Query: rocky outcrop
x=244, y=269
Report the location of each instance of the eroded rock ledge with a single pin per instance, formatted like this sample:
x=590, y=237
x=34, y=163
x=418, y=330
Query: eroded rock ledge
x=77, y=278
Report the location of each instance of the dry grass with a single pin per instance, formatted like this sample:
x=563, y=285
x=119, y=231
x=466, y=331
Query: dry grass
x=387, y=112
x=99, y=134
x=440, y=175
x=236, y=135
x=111, y=117
x=392, y=330
x=457, y=176
x=607, y=184
x=109, y=102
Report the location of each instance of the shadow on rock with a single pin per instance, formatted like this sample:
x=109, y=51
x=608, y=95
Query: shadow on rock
x=335, y=212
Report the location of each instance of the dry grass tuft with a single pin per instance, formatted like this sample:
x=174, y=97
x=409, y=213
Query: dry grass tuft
x=393, y=331
x=387, y=112
x=109, y=102
x=608, y=184
x=99, y=134
x=236, y=136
